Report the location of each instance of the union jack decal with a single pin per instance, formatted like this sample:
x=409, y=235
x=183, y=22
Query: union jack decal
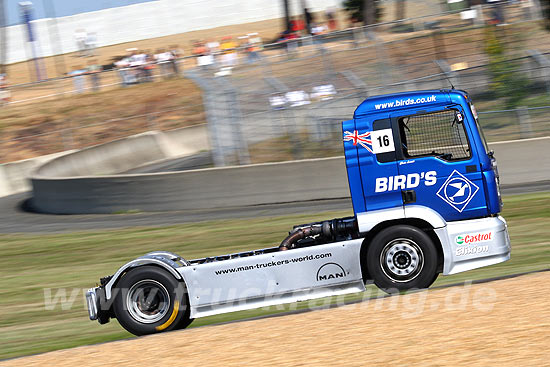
x=362, y=139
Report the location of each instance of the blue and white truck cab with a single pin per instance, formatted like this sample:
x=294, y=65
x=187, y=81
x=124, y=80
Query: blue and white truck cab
x=425, y=193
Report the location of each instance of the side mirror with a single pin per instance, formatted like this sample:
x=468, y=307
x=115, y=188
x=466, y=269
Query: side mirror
x=459, y=117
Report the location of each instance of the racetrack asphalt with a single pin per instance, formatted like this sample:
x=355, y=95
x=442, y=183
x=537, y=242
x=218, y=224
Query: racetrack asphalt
x=13, y=219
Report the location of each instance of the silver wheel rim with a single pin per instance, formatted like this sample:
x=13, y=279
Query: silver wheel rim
x=401, y=260
x=148, y=301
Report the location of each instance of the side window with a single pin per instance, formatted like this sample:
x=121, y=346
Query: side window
x=439, y=134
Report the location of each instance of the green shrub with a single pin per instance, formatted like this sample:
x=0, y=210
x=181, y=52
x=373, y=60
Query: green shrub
x=506, y=81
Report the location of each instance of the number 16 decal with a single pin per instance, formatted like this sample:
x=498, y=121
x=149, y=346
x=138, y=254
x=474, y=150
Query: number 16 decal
x=382, y=141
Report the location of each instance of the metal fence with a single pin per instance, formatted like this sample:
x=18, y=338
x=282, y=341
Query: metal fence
x=84, y=83
x=290, y=106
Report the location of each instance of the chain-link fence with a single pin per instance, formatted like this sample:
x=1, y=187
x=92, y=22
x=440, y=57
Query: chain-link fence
x=298, y=129
x=86, y=82
x=290, y=106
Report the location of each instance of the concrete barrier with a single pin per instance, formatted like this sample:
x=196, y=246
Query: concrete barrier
x=111, y=158
x=522, y=161
x=15, y=176
x=314, y=179
x=197, y=189
x=127, y=153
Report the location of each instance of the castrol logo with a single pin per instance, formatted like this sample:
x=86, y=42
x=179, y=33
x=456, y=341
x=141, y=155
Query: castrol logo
x=473, y=238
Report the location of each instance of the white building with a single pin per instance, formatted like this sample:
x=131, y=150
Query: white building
x=149, y=20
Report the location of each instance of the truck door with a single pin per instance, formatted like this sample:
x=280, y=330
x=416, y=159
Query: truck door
x=438, y=165
x=377, y=158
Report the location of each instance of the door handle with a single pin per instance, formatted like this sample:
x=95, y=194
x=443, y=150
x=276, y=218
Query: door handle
x=409, y=196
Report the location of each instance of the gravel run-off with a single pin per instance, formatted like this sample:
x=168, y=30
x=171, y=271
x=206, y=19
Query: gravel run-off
x=500, y=323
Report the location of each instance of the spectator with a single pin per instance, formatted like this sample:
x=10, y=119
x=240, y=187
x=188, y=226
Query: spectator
x=137, y=60
x=289, y=37
x=78, y=79
x=80, y=38
x=229, y=52
x=296, y=25
x=331, y=19
x=123, y=67
x=198, y=48
x=318, y=29
x=203, y=56
x=213, y=45
x=5, y=94
x=91, y=44
x=497, y=12
x=253, y=47
x=176, y=54
x=309, y=19
x=214, y=48
x=149, y=66
x=164, y=59
x=94, y=71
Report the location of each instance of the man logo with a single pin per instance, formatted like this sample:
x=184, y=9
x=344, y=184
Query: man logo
x=457, y=191
x=330, y=271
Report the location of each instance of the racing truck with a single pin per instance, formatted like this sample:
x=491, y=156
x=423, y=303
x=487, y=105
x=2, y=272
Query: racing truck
x=426, y=199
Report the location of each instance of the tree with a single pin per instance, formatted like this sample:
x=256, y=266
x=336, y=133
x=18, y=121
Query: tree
x=545, y=5
x=507, y=82
x=366, y=11
x=399, y=9
x=369, y=12
x=286, y=19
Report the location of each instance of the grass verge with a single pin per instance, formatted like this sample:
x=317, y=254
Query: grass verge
x=35, y=269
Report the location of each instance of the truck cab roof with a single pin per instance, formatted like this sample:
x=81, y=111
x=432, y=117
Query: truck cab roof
x=397, y=101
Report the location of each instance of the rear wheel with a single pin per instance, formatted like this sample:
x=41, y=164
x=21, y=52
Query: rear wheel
x=402, y=257
x=185, y=321
x=150, y=300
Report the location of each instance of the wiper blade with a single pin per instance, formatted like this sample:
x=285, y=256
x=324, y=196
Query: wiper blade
x=445, y=156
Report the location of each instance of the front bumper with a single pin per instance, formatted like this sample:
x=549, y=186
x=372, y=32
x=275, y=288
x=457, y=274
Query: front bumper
x=97, y=310
x=93, y=303
x=474, y=243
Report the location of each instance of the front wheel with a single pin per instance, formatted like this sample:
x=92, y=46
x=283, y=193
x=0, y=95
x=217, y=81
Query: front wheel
x=402, y=257
x=150, y=300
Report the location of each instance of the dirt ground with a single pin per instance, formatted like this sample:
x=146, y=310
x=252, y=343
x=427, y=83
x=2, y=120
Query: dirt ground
x=501, y=323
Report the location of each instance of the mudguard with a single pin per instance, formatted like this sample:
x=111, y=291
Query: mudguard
x=167, y=260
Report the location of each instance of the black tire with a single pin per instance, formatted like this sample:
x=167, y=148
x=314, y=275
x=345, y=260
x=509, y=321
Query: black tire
x=402, y=257
x=150, y=300
x=185, y=321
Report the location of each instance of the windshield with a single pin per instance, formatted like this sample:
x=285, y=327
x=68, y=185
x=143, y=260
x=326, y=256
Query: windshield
x=478, y=125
